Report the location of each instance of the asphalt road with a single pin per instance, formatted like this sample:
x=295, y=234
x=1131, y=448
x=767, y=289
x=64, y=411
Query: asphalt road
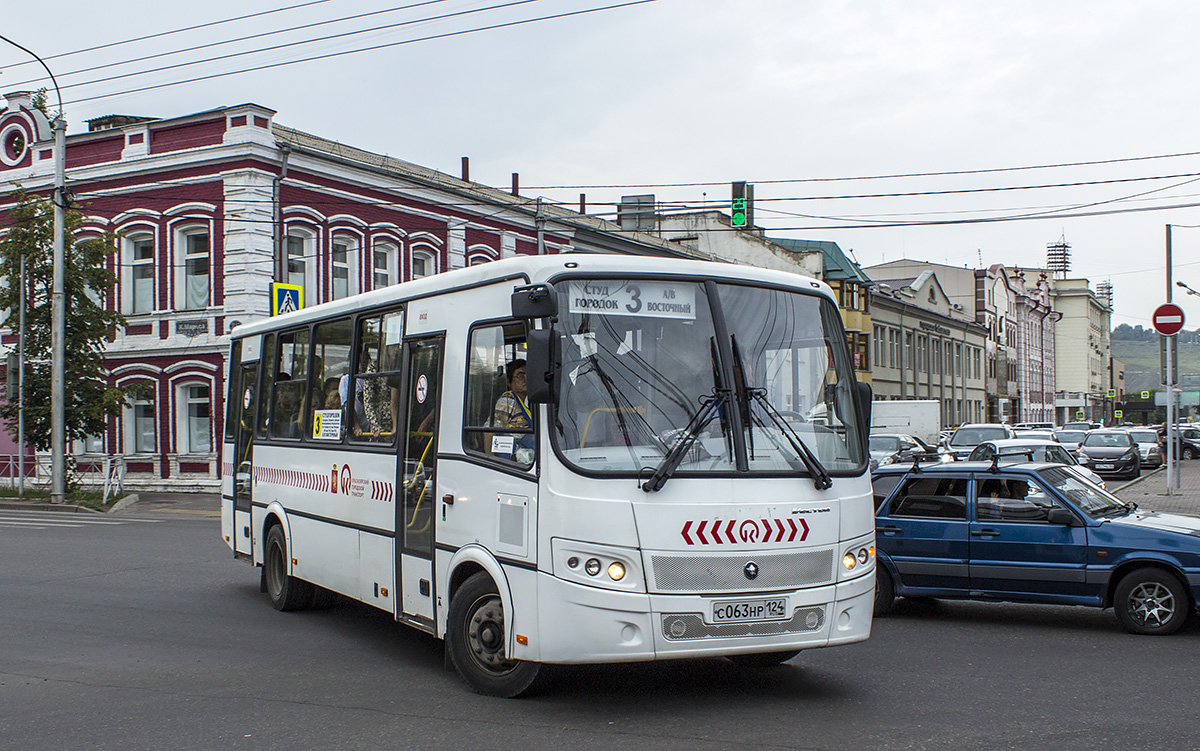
x=146, y=634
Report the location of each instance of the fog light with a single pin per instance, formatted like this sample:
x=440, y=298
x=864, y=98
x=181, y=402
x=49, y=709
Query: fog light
x=592, y=567
x=616, y=571
x=573, y=562
x=849, y=561
x=862, y=556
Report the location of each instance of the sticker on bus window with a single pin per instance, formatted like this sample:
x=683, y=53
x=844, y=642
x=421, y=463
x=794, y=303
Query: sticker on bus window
x=586, y=343
x=503, y=444
x=651, y=299
x=327, y=424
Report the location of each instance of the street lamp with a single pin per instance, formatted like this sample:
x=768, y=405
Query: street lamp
x=57, y=300
x=1187, y=289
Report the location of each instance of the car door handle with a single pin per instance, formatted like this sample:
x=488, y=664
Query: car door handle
x=984, y=533
x=890, y=530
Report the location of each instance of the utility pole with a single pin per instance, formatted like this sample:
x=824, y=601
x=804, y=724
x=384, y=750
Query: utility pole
x=58, y=320
x=58, y=306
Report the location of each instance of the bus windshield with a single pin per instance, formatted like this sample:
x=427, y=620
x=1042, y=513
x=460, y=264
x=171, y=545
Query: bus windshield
x=759, y=378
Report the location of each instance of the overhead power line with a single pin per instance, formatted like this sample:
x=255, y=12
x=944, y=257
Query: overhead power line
x=287, y=45
x=172, y=31
x=387, y=45
x=258, y=35
x=893, y=176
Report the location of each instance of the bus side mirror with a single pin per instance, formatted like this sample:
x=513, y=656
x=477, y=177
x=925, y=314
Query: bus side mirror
x=864, y=405
x=534, y=301
x=543, y=361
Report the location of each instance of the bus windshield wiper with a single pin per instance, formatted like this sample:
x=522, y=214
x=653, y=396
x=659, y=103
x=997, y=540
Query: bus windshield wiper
x=821, y=478
x=710, y=407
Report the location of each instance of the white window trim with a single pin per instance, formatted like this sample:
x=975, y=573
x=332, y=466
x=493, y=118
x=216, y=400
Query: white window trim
x=310, y=254
x=422, y=251
x=182, y=432
x=127, y=268
x=180, y=236
x=392, y=249
x=354, y=246
x=130, y=429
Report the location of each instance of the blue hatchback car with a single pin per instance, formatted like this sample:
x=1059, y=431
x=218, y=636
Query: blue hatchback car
x=1031, y=532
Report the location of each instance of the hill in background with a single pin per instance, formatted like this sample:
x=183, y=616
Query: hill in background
x=1138, y=348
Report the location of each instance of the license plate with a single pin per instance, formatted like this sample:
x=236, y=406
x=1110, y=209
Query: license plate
x=734, y=611
x=1106, y=466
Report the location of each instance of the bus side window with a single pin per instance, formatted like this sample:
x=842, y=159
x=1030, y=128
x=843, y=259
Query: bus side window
x=266, y=397
x=375, y=394
x=497, y=419
x=291, y=378
x=331, y=364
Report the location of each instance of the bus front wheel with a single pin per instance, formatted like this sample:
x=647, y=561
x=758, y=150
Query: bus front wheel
x=286, y=592
x=475, y=638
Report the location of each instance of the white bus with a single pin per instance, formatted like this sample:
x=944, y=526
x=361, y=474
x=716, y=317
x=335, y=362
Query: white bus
x=681, y=471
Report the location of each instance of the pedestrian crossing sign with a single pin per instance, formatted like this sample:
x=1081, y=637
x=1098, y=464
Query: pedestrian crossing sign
x=286, y=298
x=1118, y=414
x=1145, y=394
x=1112, y=393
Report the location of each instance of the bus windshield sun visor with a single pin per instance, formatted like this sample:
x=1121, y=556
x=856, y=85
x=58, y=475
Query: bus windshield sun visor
x=746, y=393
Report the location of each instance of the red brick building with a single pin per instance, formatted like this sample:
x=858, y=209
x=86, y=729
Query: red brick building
x=213, y=207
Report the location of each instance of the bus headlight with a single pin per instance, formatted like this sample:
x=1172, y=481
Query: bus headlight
x=594, y=565
x=858, y=558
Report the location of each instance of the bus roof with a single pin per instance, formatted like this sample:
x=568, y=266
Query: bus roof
x=534, y=269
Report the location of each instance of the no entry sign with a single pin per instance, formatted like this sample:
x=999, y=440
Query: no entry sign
x=1168, y=319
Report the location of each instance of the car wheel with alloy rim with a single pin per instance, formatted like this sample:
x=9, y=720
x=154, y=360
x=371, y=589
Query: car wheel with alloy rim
x=1151, y=601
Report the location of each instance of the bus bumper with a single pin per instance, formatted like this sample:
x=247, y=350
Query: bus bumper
x=594, y=625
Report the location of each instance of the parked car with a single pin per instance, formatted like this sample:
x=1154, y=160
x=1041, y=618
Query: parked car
x=891, y=448
x=1189, y=442
x=1148, y=445
x=1023, y=449
x=1081, y=425
x=1070, y=439
x=1034, y=533
x=1042, y=435
x=1111, y=452
x=1034, y=426
x=967, y=437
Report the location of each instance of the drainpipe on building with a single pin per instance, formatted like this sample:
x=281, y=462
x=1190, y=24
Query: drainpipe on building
x=280, y=237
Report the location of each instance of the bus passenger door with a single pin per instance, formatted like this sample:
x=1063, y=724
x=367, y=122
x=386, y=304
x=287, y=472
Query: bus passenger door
x=243, y=464
x=418, y=476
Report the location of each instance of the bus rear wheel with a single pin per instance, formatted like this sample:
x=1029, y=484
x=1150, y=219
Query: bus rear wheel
x=475, y=638
x=286, y=592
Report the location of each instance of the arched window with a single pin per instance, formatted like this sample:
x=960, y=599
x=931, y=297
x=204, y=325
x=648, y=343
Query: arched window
x=138, y=293
x=192, y=264
x=343, y=258
x=385, y=265
x=194, y=419
x=424, y=262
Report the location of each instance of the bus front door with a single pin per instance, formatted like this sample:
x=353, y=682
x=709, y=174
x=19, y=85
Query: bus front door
x=418, y=476
x=243, y=465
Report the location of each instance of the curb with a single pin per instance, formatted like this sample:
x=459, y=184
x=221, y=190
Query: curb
x=124, y=503
x=1139, y=479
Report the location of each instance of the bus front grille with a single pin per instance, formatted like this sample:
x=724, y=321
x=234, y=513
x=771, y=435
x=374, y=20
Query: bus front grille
x=728, y=571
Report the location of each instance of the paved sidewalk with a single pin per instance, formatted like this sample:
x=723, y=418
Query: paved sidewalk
x=191, y=504
x=1150, y=490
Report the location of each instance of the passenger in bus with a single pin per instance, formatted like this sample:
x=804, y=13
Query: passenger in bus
x=511, y=410
x=333, y=400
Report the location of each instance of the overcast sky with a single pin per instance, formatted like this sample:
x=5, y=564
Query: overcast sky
x=776, y=92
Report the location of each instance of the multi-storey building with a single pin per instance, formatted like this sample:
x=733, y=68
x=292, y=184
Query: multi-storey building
x=1083, y=352
x=927, y=347
x=1018, y=319
x=214, y=207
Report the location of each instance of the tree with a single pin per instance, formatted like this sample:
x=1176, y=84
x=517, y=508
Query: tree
x=90, y=401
